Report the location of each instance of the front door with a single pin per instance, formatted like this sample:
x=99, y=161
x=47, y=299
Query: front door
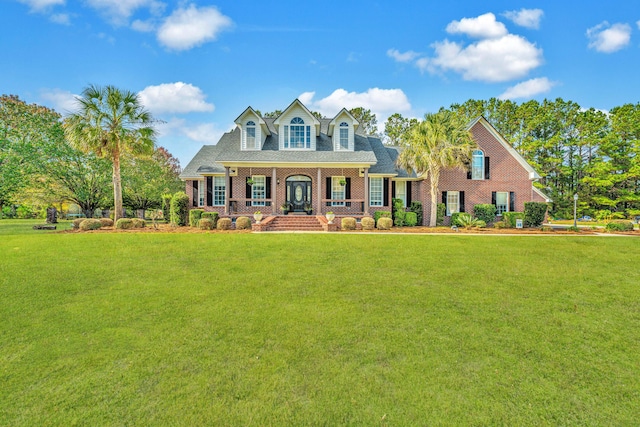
x=299, y=193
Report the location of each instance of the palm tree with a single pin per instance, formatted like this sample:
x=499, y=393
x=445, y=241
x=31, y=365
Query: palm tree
x=438, y=142
x=110, y=122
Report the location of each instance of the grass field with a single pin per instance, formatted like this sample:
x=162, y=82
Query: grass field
x=317, y=329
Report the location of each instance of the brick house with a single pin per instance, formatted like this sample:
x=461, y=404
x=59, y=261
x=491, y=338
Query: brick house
x=297, y=163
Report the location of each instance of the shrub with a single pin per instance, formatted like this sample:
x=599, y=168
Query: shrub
x=534, y=213
x=416, y=207
x=206, y=224
x=574, y=229
x=384, y=223
x=441, y=212
x=467, y=221
x=179, y=209
x=213, y=216
x=124, y=224
x=106, y=222
x=510, y=218
x=348, y=223
x=398, y=212
x=138, y=223
x=455, y=216
x=194, y=217
x=224, y=224
x=485, y=212
x=500, y=224
x=243, y=223
x=619, y=225
x=381, y=214
x=166, y=206
x=399, y=219
x=368, y=223
x=90, y=224
x=410, y=219
x=75, y=224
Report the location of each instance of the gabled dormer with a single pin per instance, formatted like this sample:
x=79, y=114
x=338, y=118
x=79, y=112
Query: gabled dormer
x=342, y=131
x=297, y=128
x=254, y=130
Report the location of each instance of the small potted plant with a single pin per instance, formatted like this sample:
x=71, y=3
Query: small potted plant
x=343, y=182
x=250, y=181
x=330, y=217
x=308, y=208
x=257, y=215
x=285, y=208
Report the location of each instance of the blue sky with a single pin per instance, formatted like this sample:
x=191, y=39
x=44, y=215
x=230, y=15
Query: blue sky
x=197, y=65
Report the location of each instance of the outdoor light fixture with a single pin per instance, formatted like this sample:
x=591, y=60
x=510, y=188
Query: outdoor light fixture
x=575, y=209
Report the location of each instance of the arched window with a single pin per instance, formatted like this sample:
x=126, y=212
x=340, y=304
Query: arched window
x=477, y=165
x=251, y=134
x=344, y=136
x=297, y=135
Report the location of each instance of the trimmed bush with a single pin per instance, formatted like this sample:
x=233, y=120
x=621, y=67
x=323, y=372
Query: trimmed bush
x=442, y=211
x=368, y=223
x=138, y=223
x=485, y=212
x=381, y=214
x=224, y=224
x=90, y=224
x=398, y=212
x=166, y=206
x=410, y=219
x=455, y=216
x=213, y=216
x=348, y=223
x=124, y=224
x=384, y=223
x=206, y=224
x=500, y=224
x=75, y=224
x=534, y=213
x=416, y=207
x=106, y=222
x=619, y=225
x=510, y=218
x=179, y=209
x=194, y=217
x=243, y=223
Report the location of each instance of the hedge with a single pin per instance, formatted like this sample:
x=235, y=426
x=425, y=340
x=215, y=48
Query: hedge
x=179, y=209
x=416, y=207
x=90, y=224
x=224, y=224
x=534, y=213
x=410, y=219
x=367, y=223
x=485, y=212
x=510, y=218
x=213, y=216
x=243, y=223
x=381, y=214
x=440, y=214
x=619, y=225
x=124, y=224
x=206, y=224
x=384, y=223
x=194, y=217
x=348, y=223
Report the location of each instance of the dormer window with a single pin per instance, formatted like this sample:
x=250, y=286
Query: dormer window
x=297, y=135
x=251, y=134
x=344, y=136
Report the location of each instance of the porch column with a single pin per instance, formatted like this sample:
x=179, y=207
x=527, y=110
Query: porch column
x=319, y=197
x=274, y=199
x=366, y=191
x=226, y=190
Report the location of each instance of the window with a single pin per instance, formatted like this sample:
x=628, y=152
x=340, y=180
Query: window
x=376, y=191
x=251, y=135
x=337, y=190
x=453, y=202
x=201, y=193
x=502, y=202
x=401, y=192
x=297, y=135
x=477, y=165
x=219, y=186
x=344, y=136
x=258, y=190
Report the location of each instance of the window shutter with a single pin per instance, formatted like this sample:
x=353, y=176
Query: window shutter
x=512, y=201
x=385, y=189
x=493, y=199
x=469, y=174
x=393, y=189
x=444, y=198
x=328, y=190
x=468, y=166
x=209, y=191
x=487, y=169
x=230, y=187
x=195, y=193
x=409, y=193
x=248, y=191
x=347, y=191
x=462, y=201
x=267, y=190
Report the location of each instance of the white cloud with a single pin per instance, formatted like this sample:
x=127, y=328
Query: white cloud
x=528, y=89
x=64, y=102
x=41, y=5
x=493, y=60
x=176, y=97
x=528, y=18
x=306, y=98
x=143, y=26
x=407, y=56
x=609, y=38
x=379, y=101
x=118, y=12
x=206, y=133
x=60, y=18
x=638, y=24
x=483, y=27
x=192, y=26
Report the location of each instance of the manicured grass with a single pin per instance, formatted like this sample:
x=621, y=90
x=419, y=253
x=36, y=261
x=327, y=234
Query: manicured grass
x=25, y=226
x=309, y=329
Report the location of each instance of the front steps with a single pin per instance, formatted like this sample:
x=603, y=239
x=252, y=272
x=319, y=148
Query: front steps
x=294, y=223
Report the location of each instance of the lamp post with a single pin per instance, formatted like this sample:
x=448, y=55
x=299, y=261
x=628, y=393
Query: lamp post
x=575, y=209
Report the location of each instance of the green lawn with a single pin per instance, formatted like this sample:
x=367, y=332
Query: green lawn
x=318, y=329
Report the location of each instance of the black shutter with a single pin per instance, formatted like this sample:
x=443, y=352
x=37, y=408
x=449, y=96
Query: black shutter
x=487, y=169
x=347, y=191
x=393, y=189
x=195, y=193
x=468, y=173
x=408, y=190
x=247, y=193
x=462, y=201
x=209, y=191
x=493, y=199
x=444, y=197
x=328, y=190
x=267, y=190
x=385, y=189
x=512, y=201
x=230, y=187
